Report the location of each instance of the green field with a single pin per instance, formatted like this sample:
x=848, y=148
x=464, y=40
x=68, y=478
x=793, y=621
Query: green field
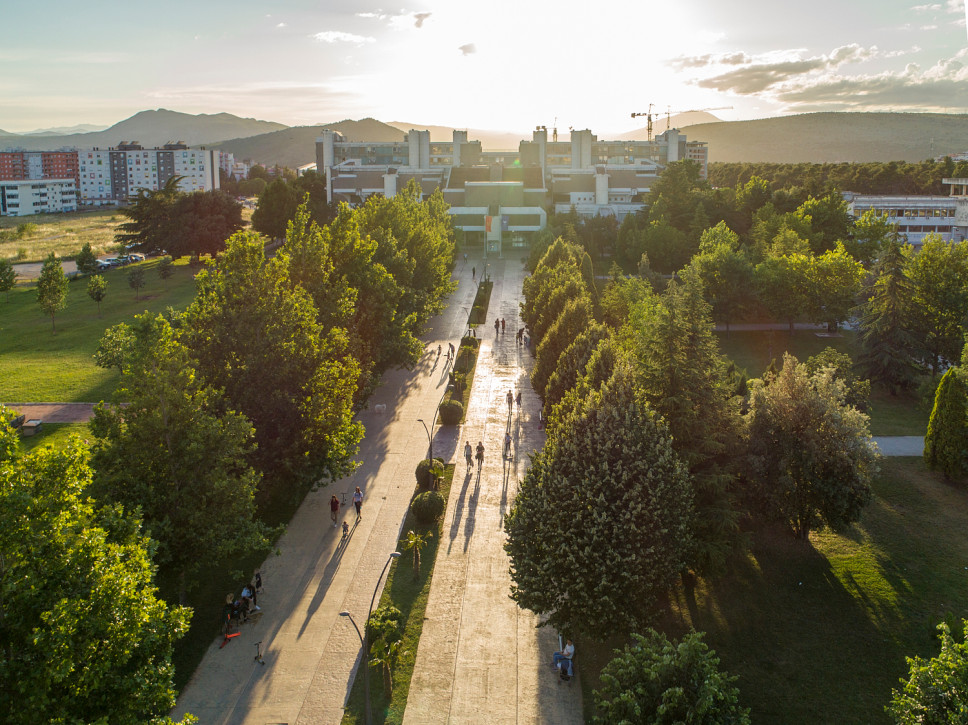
x=818, y=632
x=63, y=234
x=38, y=365
x=753, y=351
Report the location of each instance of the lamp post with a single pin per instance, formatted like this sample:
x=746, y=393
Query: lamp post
x=430, y=441
x=364, y=638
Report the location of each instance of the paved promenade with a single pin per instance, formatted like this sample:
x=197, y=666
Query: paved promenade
x=311, y=653
x=481, y=658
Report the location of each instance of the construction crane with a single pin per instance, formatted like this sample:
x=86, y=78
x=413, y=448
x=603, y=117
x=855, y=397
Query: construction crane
x=692, y=110
x=648, y=115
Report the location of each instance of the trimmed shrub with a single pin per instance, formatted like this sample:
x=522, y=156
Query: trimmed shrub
x=469, y=341
x=427, y=507
x=425, y=468
x=464, y=361
x=478, y=314
x=384, y=624
x=451, y=411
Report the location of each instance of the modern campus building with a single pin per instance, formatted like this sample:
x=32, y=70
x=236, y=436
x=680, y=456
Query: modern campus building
x=915, y=217
x=504, y=196
x=113, y=175
x=23, y=197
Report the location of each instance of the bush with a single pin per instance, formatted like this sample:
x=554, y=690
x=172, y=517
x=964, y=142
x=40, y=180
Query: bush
x=459, y=380
x=472, y=342
x=464, y=361
x=384, y=624
x=478, y=314
x=425, y=468
x=428, y=507
x=451, y=412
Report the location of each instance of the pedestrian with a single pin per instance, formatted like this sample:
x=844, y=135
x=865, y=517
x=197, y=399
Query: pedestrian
x=358, y=502
x=334, y=509
x=510, y=398
x=520, y=335
x=451, y=345
x=465, y=257
x=467, y=453
x=480, y=454
x=497, y=325
x=507, y=446
x=517, y=399
x=502, y=325
x=473, y=273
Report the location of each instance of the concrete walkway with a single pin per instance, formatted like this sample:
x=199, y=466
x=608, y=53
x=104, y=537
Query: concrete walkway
x=481, y=658
x=311, y=653
x=900, y=445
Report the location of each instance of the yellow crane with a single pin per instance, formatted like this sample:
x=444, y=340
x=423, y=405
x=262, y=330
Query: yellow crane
x=691, y=110
x=648, y=115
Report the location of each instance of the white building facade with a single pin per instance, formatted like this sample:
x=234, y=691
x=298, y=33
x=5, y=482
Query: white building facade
x=24, y=197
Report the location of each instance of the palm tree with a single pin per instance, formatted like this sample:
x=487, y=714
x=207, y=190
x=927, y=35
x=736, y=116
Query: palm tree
x=415, y=542
x=386, y=663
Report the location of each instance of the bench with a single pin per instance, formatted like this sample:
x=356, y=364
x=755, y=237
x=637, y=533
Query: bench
x=31, y=427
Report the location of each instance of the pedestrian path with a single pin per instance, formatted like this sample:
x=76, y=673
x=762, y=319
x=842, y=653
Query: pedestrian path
x=310, y=652
x=481, y=658
x=900, y=445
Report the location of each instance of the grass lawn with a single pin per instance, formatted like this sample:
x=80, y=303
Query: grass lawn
x=56, y=435
x=409, y=595
x=63, y=234
x=753, y=351
x=818, y=633
x=38, y=365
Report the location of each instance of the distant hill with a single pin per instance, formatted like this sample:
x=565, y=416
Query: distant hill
x=64, y=130
x=151, y=128
x=659, y=124
x=834, y=137
x=296, y=146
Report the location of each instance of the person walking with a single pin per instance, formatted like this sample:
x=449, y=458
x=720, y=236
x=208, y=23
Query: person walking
x=510, y=398
x=358, y=503
x=480, y=454
x=473, y=273
x=502, y=325
x=517, y=400
x=334, y=509
x=467, y=453
x=497, y=325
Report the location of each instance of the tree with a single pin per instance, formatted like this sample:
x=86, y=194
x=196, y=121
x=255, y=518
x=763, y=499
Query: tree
x=939, y=304
x=682, y=375
x=8, y=277
x=887, y=347
x=871, y=232
x=203, y=221
x=653, y=680
x=811, y=458
x=937, y=690
x=574, y=318
x=600, y=525
x=782, y=284
x=151, y=217
x=52, y=288
x=416, y=542
x=136, y=279
x=170, y=450
x=114, y=348
x=85, y=637
x=86, y=260
x=833, y=283
x=857, y=390
x=828, y=219
x=571, y=364
x=97, y=290
x=727, y=280
x=946, y=442
x=277, y=205
x=257, y=337
x=166, y=269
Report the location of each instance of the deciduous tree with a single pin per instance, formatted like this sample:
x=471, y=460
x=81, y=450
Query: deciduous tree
x=937, y=689
x=52, y=288
x=86, y=260
x=653, y=680
x=136, y=279
x=8, y=277
x=97, y=290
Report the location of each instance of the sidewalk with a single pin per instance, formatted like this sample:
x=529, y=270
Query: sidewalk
x=310, y=652
x=481, y=658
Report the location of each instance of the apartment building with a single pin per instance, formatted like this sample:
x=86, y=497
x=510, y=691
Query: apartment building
x=23, y=197
x=915, y=217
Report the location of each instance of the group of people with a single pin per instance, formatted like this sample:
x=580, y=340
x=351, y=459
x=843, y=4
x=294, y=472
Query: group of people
x=239, y=608
x=335, y=506
x=479, y=454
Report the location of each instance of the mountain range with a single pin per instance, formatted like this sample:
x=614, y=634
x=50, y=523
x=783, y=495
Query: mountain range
x=813, y=137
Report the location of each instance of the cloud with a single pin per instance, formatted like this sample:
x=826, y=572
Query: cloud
x=337, y=36
x=281, y=25
x=419, y=19
x=702, y=61
x=934, y=7
x=467, y=48
x=377, y=16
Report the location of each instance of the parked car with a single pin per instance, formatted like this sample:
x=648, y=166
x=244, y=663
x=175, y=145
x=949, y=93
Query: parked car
x=135, y=257
x=107, y=263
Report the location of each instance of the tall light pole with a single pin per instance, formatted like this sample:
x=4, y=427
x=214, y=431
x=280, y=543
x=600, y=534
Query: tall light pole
x=430, y=441
x=364, y=638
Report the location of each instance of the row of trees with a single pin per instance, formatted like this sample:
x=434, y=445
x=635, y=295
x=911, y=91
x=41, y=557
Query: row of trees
x=659, y=449
x=874, y=177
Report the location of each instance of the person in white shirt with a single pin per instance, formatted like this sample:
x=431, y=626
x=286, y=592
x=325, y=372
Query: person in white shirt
x=564, y=655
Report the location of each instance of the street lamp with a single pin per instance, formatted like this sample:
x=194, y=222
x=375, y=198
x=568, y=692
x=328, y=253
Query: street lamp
x=430, y=441
x=364, y=639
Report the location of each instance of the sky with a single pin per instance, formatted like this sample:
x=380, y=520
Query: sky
x=502, y=64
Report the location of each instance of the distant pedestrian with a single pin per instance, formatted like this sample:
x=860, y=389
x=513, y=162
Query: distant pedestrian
x=517, y=399
x=358, y=502
x=334, y=509
x=510, y=398
x=480, y=454
x=520, y=335
x=473, y=273
x=507, y=446
x=497, y=325
x=452, y=350
x=468, y=453
x=465, y=257
x=502, y=324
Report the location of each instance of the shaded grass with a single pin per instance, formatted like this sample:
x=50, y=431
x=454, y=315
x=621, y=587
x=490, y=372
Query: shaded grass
x=38, y=365
x=62, y=234
x=56, y=435
x=819, y=632
x=753, y=351
x=410, y=596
